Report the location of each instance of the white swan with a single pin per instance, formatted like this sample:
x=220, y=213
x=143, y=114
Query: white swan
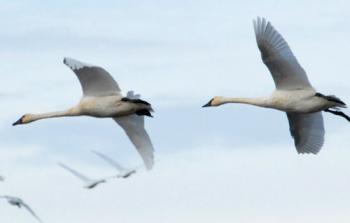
x=89, y=183
x=294, y=93
x=102, y=99
x=123, y=173
x=19, y=203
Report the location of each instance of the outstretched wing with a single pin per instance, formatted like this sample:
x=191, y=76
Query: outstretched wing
x=95, y=81
x=31, y=211
x=133, y=126
x=109, y=160
x=75, y=173
x=2, y=178
x=307, y=131
x=278, y=57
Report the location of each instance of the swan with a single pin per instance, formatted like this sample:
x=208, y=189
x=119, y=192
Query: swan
x=102, y=99
x=123, y=173
x=19, y=203
x=89, y=183
x=294, y=94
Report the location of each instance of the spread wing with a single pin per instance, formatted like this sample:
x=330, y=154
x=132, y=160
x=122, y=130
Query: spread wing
x=2, y=178
x=278, y=57
x=133, y=126
x=109, y=160
x=31, y=211
x=75, y=173
x=307, y=131
x=94, y=80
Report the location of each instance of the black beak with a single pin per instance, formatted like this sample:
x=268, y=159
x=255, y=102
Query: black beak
x=208, y=104
x=18, y=122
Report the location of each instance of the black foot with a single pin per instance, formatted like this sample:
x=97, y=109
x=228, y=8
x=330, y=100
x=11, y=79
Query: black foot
x=342, y=114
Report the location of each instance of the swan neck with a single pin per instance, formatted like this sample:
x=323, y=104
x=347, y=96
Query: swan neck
x=262, y=102
x=69, y=112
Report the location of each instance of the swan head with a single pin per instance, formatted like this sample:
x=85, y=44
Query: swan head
x=215, y=101
x=23, y=120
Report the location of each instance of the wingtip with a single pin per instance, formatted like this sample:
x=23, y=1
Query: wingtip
x=75, y=64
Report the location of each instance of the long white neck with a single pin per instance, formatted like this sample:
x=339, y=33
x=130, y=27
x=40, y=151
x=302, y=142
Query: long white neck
x=69, y=112
x=261, y=102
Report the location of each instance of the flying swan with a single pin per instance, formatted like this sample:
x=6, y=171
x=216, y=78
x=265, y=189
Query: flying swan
x=89, y=183
x=123, y=173
x=294, y=93
x=102, y=99
x=19, y=203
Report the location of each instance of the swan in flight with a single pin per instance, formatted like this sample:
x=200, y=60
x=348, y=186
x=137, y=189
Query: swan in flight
x=123, y=173
x=102, y=99
x=89, y=183
x=294, y=93
x=19, y=203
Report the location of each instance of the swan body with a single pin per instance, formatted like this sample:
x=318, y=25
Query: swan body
x=15, y=201
x=102, y=98
x=294, y=93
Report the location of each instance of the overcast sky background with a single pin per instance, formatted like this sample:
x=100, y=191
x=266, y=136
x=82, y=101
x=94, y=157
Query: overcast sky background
x=234, y=163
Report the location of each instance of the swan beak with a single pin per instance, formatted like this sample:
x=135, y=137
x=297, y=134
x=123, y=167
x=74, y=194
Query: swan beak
x=18, y=122
x=208, y=104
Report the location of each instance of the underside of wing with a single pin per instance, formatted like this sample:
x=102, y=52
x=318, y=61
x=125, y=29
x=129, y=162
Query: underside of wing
x=133, y=126
x=307, y=131
x=95, y=81
x=278, y=57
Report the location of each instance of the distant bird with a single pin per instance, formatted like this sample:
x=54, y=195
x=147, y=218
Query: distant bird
x=294, y=93
x=102, y=99
x=19, y=203
x=89, y=183
x=123, y=173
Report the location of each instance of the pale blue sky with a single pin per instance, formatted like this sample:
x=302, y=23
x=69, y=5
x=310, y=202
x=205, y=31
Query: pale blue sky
x=233, y=163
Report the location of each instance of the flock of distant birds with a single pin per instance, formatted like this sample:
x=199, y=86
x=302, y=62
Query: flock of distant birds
x=294, y=95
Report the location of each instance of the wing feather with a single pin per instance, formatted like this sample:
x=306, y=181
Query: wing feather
x=133, y=126
x=95, y=81
x=307, y=131
x=278, y=57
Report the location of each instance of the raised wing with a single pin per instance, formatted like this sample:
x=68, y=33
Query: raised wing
x=95, y=81
x=278, y=57
x=31, y=211
x=131, y=95
x=109, y=160
x=133, y=126
x=307, y=131
x=75, y=173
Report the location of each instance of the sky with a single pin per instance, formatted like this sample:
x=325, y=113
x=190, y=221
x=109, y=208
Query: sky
x=226, y=164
